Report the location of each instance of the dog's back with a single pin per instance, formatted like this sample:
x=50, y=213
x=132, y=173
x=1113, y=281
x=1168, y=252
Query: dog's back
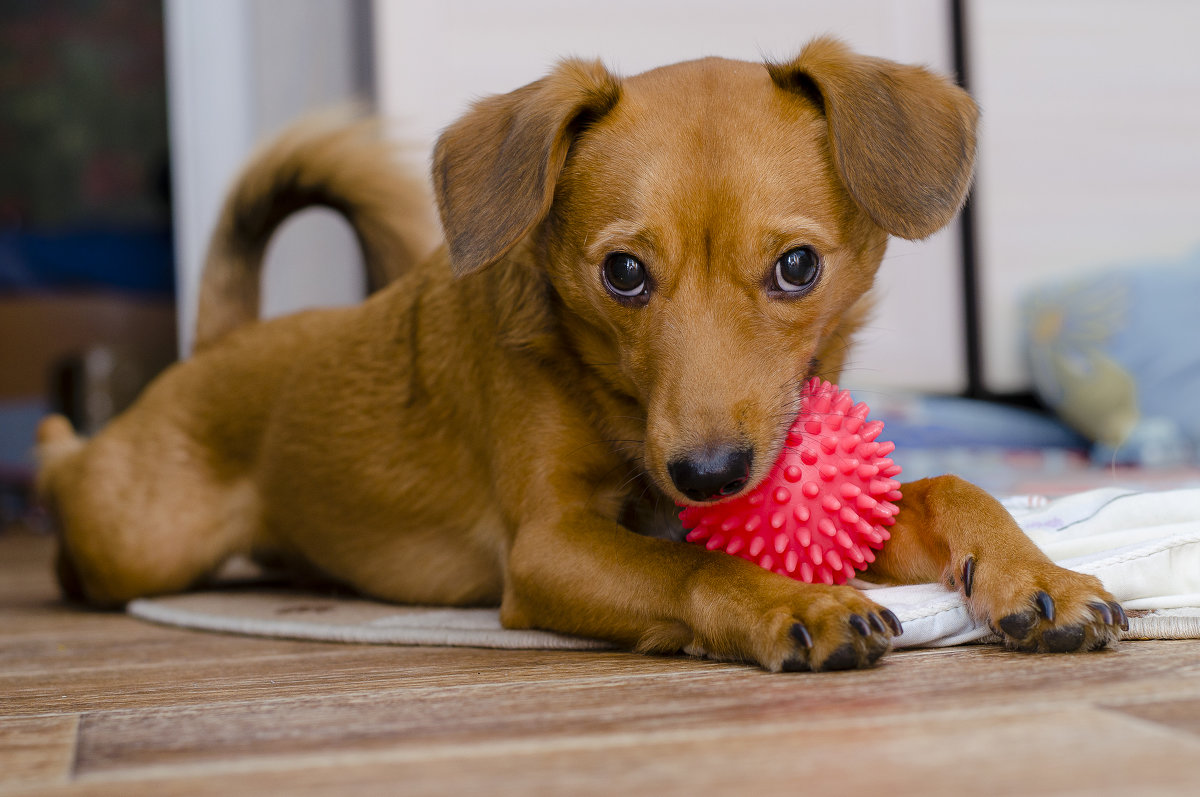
x=91, y=489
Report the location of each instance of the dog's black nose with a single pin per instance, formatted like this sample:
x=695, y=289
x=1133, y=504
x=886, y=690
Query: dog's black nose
x=712, y=474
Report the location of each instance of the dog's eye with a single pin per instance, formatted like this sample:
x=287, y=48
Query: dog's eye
x=796, y=271
x=625, y=275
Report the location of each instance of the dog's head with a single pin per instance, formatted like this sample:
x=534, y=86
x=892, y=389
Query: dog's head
x=711, y=228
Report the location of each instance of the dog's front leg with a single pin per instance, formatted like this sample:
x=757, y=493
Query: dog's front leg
x=583, y=574
x=951, y=531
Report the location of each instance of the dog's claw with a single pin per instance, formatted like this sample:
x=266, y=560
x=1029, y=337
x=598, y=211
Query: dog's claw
x=1045, y=605
x=860, y=625
x=876, y=623
x=800, y=633
x=1102, y=609
x=1119, y=611
x=799, y=661
x=893, y=622
x=968, y=575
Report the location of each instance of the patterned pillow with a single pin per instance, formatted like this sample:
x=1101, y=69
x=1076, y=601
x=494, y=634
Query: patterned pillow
x=1117, y=355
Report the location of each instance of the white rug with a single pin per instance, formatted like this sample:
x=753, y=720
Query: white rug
x=1144, y=546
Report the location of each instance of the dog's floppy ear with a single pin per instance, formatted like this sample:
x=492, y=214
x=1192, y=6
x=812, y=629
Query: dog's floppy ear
x=494, y=170
x=903, y=138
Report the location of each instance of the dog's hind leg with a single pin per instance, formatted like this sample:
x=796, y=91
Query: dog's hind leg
x=128, y=532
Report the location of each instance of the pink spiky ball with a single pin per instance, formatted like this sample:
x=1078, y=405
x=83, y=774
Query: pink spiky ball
x=822, y=511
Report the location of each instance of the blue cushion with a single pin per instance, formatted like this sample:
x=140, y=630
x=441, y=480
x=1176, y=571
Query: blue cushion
x=1117, y=354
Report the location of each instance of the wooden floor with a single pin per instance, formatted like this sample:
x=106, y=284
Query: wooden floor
x=99, y=703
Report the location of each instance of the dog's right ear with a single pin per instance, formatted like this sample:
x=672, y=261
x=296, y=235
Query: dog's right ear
x=495, y=169
x=902, y=137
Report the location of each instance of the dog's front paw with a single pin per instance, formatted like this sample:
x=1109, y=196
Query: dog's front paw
x=1042, y=607
x=827, y=628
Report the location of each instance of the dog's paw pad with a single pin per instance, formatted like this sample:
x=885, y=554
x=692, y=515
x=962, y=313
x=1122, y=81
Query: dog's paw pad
x=1018, y=625
x=796, y=664
x=845, y=657
x=1065, y=639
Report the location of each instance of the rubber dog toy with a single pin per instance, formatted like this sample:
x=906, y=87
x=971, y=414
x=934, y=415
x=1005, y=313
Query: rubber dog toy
x=822, y=511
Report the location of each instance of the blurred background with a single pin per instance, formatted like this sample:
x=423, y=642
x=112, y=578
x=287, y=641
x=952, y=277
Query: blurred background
x=1048, y=341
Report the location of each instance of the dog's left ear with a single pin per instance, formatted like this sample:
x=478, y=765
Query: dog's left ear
x=495, y=169
x=903, y=138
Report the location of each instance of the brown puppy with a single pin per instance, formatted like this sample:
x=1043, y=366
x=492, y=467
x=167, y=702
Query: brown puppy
x=640, y=275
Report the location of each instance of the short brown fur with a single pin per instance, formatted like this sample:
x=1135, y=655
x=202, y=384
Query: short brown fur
x=495, y=426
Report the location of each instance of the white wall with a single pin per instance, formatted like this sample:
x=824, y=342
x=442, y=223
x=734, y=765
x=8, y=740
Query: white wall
x=435, y=56
x=1090, y=147
x=211, y=128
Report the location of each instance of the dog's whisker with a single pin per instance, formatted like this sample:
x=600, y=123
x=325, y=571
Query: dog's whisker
x=600, y=482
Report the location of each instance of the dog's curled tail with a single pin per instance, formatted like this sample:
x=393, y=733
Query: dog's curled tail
x=349, y=167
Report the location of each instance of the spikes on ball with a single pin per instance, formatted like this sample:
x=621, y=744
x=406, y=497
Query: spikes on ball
x=823, y=510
